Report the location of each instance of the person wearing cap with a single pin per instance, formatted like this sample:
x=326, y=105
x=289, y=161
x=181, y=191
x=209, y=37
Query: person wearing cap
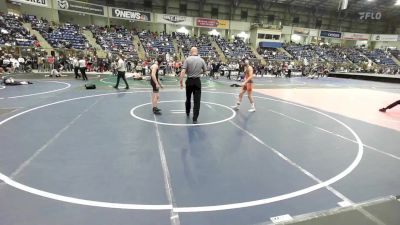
x=194, y=66
x=121, y=72
x=247, y=86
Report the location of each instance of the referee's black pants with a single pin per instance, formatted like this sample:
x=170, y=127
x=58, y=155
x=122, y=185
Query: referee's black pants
x=76, y=69
x=121, y=74
x=193, y=86
x=83, y=72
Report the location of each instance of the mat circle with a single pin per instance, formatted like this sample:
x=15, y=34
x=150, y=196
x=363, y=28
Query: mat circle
x=182, y=124
x=238, y=205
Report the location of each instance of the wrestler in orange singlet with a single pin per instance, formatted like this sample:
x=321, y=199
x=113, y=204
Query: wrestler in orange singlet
x=247, y=86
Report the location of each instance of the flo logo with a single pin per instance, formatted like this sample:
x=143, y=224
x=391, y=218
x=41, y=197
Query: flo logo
x=63, y=4
x=370, y=15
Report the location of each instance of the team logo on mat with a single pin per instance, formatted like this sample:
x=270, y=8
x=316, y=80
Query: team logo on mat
x=62, y=4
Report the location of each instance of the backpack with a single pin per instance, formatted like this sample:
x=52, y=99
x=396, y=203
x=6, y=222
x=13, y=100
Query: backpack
x=90, y=86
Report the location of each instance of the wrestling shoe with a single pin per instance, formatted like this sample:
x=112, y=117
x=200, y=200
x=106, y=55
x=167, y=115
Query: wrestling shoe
x=236, y=107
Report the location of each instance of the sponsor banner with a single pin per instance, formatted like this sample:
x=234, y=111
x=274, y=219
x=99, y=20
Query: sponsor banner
x=370, y=15
x=80, y=7
x=173, y=19
x=301, y=31
x=384, y=37
x=221, y=24
x=127, y=14
x=42, y=3
x=356, y=36
x=330, y=34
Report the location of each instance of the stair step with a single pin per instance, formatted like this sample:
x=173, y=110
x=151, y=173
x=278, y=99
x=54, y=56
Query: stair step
x=259, y=57
x=141, y=52
x=396, y=60
x=43, y=43
x=222, y=56
x=178, y=53
x=92, y=41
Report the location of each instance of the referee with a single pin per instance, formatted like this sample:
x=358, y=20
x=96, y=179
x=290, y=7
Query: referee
x=121, y=68
x=194, y=66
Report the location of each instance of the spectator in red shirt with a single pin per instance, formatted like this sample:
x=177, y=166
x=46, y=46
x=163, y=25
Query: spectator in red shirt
x=50, y=61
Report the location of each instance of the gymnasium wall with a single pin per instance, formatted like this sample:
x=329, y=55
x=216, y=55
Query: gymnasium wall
x=3, y=6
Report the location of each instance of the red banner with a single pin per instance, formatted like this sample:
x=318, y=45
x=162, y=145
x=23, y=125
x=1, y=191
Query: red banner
x=224, y=24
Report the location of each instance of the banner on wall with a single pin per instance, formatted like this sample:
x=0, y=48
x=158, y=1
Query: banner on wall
x=80, y=7
x=130, y=14
x=301, y=31
x=211, y=23
x=330, y=34
x=356, y=36
x=384, y=37
x=173, y=19
x=41, y=3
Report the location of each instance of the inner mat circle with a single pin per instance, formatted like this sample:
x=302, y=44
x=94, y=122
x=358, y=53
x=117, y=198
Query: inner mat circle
x=135, y=109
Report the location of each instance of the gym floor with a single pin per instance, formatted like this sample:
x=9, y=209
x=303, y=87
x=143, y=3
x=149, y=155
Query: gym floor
x=75, y=156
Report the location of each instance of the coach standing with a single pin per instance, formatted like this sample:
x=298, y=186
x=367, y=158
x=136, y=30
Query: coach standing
x=193, y=66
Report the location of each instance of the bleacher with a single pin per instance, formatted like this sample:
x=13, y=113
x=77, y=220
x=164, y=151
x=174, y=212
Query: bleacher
x=203, y=43
x=271, y=54
x=64, y=36
x=354, y=55
x=68, y=36
x=12, y=33
x=301, y=52
x=116, y=39
x=155, y=44
x=380, y=57
x=330, y=54
x=236, y=49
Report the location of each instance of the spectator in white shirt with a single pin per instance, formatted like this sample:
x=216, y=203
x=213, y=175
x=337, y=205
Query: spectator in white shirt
x=75, y=64
x=21, y=62
x=82, y=67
